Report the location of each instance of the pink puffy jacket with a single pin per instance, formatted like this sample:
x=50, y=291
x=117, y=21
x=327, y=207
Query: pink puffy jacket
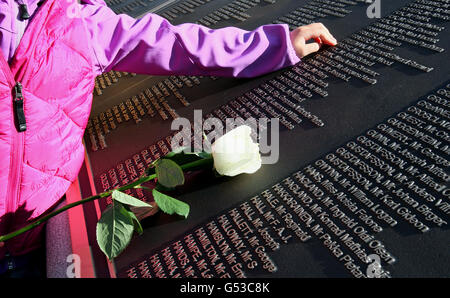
x=46, y=90
x=42, y=122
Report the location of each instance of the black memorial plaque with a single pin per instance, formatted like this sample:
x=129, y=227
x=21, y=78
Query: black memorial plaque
x=362, y=176
x=392, y=181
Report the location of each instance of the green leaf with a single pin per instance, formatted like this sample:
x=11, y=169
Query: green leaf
x=127, y=199
x=114, y=230
x=169, y=174
x=136, y=223
x=170, y=205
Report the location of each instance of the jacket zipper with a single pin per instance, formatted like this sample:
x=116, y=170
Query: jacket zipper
x=17, y=149
x=23, y=10
x=18, y=108
x=18, y=127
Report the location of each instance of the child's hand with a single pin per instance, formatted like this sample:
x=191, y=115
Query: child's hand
x=316, y=31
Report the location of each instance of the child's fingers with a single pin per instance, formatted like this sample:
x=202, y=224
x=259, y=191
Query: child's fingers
x=313, y=31
x=318, y=40
x=310, y=48
x=327, y=38
x=318, y=30
x=324, y=33
x=1, y=244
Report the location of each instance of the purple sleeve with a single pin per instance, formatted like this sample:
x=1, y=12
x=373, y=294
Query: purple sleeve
x=151, y=45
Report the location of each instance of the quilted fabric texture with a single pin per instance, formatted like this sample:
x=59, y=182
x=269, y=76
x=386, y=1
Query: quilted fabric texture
x=38, y=165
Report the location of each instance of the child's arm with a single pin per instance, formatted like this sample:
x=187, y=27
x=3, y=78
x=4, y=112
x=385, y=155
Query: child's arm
x=151, y=45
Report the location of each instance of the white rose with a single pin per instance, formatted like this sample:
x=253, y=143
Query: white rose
x=235, y=153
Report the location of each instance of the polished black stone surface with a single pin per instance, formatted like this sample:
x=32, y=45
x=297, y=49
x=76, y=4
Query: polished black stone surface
x=350, y=109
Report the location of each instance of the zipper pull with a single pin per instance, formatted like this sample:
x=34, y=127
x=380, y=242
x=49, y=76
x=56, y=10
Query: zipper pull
x=18, y=107
x=24, y=15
